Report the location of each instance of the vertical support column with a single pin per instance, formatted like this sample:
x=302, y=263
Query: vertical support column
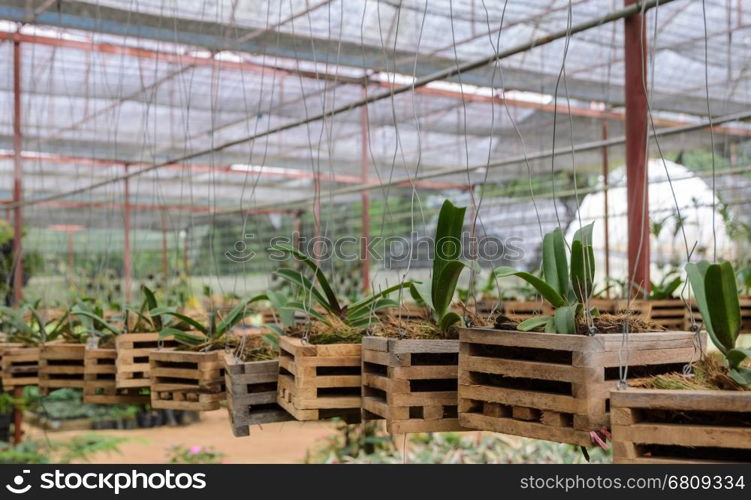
x=635, y=55
x=127, y=266
x=365, y=195
x=17, y=177
x=605, y=208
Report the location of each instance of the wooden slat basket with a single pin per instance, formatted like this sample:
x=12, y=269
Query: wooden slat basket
x=412, y=384
x=554, y=386
x=675, y=426
x=182, y=380
x=99, y=380
x=524, y=309
x=61, y=365
x=251, y=394
x=317, y=382
x=19, y=365
x=132, y=362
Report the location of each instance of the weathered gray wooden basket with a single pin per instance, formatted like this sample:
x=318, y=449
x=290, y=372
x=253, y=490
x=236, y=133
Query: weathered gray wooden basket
x=251, y=394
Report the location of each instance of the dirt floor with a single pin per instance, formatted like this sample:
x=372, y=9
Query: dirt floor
x=273, y=443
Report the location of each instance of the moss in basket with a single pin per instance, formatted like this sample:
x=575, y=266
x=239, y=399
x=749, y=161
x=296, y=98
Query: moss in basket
x=716, y=292
x=330, y=320
x=568, y=288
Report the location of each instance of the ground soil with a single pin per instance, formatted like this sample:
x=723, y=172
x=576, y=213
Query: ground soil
x=280, y=443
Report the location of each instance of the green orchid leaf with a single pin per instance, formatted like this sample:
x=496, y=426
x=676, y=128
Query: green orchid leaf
x=320, y=277
x=584, y=234
x=741, y=375
x=736, y=356
x=582, y=270
x=565, y=319
x=543, y=288
x=444, y=293
x=307, y=286
x=449, y=320
x=722, y=301
x=533, y=324
x=448, y=239
x=554, y=261
x=182, y=317
x=237, y=314
x=182, y=337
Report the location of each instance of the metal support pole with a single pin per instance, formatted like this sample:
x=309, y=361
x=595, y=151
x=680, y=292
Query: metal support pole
x=606, y=214
x=635, y=56
x=127, y=264
x=17, y=177
x=364, y=196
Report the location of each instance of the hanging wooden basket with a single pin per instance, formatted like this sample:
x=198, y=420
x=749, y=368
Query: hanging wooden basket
x=524, y=309
x=317, y=382
x=20, y=365
x=132, y=362
x=676, y=426
x=61, y=365
x=251, y=394
x=412, y=384
x=99, y=380
x=554, y=386
x=182, y=380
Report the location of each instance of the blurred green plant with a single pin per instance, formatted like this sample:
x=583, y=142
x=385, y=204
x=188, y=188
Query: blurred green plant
x=369, y=444
x=78, y=449
x=180, y=454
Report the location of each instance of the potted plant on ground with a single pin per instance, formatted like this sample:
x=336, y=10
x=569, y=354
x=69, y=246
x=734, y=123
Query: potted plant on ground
x=320, y=361
x=703, y=417
x=548, y=377
x=410, y=366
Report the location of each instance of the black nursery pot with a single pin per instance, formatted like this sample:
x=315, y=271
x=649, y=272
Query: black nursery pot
x=5, y=421
x=144, y=420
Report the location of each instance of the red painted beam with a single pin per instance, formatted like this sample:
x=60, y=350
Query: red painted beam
x=635, y=57
x=226, y=169
x=17, y=177
x=127, y=263
x=149, y=207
